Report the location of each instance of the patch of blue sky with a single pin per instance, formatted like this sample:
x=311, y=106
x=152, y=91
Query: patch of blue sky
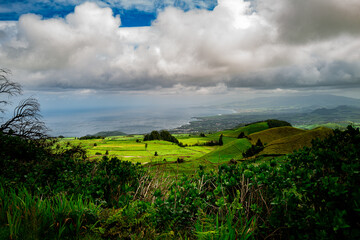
x=132, y=13
x=135, y=18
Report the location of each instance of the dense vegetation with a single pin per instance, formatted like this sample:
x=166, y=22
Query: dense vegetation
x=162, y=135
x=273, y=123
x=87, y=137
x=56, y=193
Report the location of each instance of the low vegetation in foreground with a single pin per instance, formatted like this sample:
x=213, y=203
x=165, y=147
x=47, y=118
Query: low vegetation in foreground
x=54, y=191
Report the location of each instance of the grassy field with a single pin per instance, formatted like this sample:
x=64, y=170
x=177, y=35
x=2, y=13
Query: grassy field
x=164, y=155
x=247, y=130
x=131, y=148
x=232, y=150
x=273, y=134
x=289, y=144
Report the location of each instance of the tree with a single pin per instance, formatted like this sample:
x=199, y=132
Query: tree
x=7, y=88
x=259, y=143
x=221, y=140
x=26, y=120
x=241, y=135
x=163, y=135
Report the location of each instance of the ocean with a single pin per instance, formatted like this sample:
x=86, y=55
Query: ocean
x=134, y=120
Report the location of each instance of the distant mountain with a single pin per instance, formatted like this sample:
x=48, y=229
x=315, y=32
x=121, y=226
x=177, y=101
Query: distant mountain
x=297, y=103
x=109, y=134
x=343, y=109
x=340, y=114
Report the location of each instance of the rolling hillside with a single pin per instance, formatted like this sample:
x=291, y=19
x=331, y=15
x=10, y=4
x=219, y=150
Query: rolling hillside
x=233, y=147
x=289, y=144
x=232, y=150
x=247, y=130
x=273, y=134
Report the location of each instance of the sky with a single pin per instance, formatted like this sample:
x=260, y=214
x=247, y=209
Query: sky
x=180, y=48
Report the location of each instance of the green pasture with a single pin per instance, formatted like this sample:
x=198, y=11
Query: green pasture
x=289, y=144
x=192, y=140
x=247, y=130
x=232, y=150
x=127, y=148
x=164, y=155
x=273, y=134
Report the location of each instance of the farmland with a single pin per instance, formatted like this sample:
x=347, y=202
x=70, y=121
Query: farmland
x=194, y=150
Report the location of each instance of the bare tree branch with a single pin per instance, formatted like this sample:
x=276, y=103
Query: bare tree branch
x=26, y=121
x=7, y=87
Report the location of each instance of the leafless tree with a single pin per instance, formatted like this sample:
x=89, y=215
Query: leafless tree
x=7, y=88
x=26, y=120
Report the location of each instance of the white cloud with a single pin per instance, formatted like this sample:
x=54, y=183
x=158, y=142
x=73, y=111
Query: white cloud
x=312, y=20
x=235, y=45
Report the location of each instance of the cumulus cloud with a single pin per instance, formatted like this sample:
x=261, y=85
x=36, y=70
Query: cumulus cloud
x=282, y=44
x=309, y=20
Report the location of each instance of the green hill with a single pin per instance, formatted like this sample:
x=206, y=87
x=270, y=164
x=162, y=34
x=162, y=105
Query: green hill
x=289, y=144
x=109, y=134
x=232, y=134
x=233, y=147
x=231, y=150
x=273, y=134
x=247, y=130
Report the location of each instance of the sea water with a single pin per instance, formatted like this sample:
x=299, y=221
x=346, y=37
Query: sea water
x=136, y=120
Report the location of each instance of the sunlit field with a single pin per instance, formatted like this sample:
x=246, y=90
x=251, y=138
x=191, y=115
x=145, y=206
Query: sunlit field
x=132, y=148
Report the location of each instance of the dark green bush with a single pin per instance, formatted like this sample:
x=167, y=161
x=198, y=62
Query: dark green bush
x=272, y=123
x=163, y=135
x=317, y=194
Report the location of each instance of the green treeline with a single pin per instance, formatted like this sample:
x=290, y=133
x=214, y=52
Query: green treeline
x=59, y=194
x=272, y=123
x=254, y=149
x=162, y=135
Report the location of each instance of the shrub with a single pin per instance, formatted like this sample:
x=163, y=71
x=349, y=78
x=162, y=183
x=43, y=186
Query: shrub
x=163, y=135
x=241, y=135
x=272, y=123
x=322, y=197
